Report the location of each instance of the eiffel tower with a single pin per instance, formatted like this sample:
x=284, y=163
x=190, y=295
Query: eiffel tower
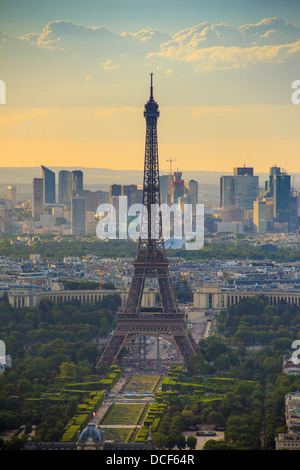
x=151, y=262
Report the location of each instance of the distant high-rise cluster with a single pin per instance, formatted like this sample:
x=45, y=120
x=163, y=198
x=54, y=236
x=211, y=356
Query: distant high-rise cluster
x=61, y=204
x=244, y=206
x=72, y=208
x=174, y=190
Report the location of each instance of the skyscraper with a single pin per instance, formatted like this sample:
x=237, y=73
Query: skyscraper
x=164, y=189
x=239, y=190
x=192, y=191
x=278, y=187
x=12, y=195
x=77, y=180
x=127, y=190
x=226, y=191
x=48, y=185
x=177, y=187
x=37, y=197
x=282, y=198
x=274, y=170
x=78, y=216
x=65, y=187
x=114, y=190
x=260, y=216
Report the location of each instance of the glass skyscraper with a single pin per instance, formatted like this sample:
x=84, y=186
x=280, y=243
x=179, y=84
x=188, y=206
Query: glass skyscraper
x=48, y=185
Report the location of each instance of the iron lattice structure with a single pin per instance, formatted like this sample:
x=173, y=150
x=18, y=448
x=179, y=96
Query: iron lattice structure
x=151, y=262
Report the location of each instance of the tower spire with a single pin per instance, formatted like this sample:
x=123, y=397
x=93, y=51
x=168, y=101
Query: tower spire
x=151, y=86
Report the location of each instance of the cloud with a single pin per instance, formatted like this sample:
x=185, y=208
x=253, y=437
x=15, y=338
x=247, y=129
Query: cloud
x=67, y=36
x=8, y=117
x=67, y=59
x=148, y=34
x=221, y=47
x=107, y=65
x=270, y=31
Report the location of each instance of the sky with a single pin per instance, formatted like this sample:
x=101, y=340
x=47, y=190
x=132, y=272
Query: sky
x=77, y=79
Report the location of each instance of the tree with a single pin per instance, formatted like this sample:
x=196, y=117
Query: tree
x=14, y=443
x=159, y=439
x=187, y=416
x=191, y=442
x=68, y=369
x=216, y=418
x=24, y=386
x=180, y=441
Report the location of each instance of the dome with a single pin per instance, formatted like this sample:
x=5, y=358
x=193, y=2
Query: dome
x=91, y=434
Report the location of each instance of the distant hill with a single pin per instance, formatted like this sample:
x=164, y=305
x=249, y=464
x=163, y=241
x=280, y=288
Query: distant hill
x=101, y=178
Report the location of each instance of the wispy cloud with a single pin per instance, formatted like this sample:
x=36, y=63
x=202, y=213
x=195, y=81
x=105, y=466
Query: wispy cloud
x=10, y=117
x=107, y=65
x=221, y=47
x=69, y=59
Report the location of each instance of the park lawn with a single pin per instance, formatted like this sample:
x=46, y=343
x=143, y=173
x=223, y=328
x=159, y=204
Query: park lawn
x=117, y=434
x=119, y=413
x=141, y=383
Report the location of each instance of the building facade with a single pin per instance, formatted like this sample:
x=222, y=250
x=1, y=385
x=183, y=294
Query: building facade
x=37, y=197
x=78, y=216
x=48, y=177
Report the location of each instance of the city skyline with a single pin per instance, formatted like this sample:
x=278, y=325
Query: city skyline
x=75, y=80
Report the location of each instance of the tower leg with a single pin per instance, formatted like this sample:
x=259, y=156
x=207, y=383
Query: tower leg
x=145, y=350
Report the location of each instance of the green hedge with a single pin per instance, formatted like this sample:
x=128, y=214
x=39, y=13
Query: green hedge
x=142, y=435
x=71, y=434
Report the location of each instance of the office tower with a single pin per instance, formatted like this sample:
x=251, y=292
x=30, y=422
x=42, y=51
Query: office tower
x=260, y=216
x=278, y=188
x=177, y=187
x=226, y=191
x=243, y=171
x=12, y=195
x=294, y=224
x=136, y=196
x=65, y=187
x=274, y=170
x=239, y=190
x=164, y=189
x=127, y=190
x=192, y=191
x=93, y=198
x=245, y=187
x=37, y=197
x=48, y=185
x=282, y=198
x=78, y=216
x=77, y=180
x=114, y=191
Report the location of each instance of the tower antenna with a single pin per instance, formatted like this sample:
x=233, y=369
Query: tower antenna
x=151, y=86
